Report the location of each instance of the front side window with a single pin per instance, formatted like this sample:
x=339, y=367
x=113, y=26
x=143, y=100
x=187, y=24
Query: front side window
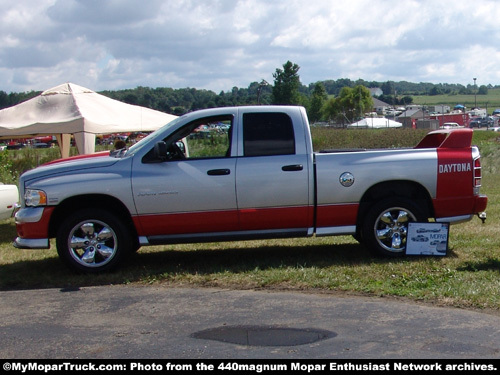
x=204, y=138
x=210, y=139
x=266, y=134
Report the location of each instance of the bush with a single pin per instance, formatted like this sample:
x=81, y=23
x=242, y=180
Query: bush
x=7, y=174
x=28, y=158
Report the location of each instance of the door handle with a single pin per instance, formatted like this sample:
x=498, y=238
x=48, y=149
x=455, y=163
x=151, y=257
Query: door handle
x=218, y=172
x=292, y=168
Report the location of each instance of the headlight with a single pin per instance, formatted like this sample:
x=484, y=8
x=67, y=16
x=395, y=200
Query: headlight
x=35, y=198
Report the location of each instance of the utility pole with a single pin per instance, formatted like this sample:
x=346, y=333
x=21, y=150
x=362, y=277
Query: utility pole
x=475, y=93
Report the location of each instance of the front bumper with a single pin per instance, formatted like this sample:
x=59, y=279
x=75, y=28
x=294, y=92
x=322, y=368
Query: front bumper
x=32, y=224
x=29, y=243
x=17, y=207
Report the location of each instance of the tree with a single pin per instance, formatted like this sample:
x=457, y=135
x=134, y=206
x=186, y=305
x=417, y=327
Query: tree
x=318, y=99
x=350, y=105
x=387, y=88
x=286, y=85
x=355, y=102
x=332, y=111
x=406, y=100
x=483, y=90
x=362, y=100
x=4, y=100
x=435, y=91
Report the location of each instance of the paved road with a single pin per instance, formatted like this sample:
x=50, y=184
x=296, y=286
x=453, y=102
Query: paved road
x=165, y=322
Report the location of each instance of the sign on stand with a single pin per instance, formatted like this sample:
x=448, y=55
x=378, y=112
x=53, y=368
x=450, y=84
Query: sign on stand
x=427, y=239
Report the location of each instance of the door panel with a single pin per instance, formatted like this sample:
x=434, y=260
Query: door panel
x=270, y=196
x=272, y=175
x=185, y=196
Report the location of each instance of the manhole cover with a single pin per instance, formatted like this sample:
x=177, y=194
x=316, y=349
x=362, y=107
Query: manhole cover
x=264, y=335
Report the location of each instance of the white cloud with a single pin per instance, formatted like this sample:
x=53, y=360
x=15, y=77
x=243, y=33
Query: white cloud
x=218, y=44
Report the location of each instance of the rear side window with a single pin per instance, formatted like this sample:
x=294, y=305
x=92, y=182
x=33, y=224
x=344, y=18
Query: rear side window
x=267, y=134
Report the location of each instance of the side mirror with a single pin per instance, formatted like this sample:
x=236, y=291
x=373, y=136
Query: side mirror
x=160, y=151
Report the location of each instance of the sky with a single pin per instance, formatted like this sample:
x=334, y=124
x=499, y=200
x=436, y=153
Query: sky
x=219, y=44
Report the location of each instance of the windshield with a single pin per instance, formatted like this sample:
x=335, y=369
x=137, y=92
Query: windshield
x=154, y=134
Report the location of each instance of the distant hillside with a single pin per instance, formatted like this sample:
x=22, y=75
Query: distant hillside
x=180, y=101
x=489, y=101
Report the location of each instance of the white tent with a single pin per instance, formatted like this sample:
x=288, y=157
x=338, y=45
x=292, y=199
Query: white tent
x=375, y=123
x=71, y=109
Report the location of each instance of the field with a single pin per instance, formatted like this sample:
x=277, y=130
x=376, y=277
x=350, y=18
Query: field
x=468, y=277
x=489, y=102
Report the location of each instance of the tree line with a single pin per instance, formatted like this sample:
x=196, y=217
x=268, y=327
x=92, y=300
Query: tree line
x=341, y=100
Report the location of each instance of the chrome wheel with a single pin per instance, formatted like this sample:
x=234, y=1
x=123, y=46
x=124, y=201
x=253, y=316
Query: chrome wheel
x=92, y=243
x=391, y=229
x=93, y=240
x=385, y=224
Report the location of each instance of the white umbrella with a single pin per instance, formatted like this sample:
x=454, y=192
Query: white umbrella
x=375, y=123
x=71, y=109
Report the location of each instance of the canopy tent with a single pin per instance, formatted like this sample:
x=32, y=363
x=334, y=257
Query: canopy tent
x=375, y=123
x=71, y=109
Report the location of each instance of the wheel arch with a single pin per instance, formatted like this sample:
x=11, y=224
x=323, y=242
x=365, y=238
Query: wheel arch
x=396, y=188
x=101, y=201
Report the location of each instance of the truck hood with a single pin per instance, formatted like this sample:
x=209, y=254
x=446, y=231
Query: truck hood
x=72, y=164
x=78, y=157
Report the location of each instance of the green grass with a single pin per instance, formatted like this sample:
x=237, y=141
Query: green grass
x=468, y=277
x=490, y=101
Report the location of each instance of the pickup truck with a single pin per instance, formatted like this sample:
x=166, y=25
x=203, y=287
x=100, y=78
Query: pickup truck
x=252, y=175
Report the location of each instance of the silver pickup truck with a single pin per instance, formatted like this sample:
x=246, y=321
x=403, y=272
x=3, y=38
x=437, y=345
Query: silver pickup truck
x=241, y=173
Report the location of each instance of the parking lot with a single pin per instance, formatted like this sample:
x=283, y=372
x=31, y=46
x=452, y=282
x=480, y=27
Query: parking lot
x=164, y=322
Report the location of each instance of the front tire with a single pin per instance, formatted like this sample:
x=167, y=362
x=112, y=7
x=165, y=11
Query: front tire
x=385, y=227
x=93, y=240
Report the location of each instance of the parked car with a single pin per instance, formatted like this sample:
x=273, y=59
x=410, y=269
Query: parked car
x=40, y=145
x=475, y=122
x=9, y=196
x=201, y=132
x=490, y=121
x=15, y=146
x=451, y=125
x=479, y=122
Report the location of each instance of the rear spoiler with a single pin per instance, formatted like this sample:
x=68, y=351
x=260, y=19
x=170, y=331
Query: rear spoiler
x=447, y=138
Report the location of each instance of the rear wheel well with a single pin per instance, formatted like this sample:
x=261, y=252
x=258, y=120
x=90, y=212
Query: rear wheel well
x=100, y=201
x=398, y=188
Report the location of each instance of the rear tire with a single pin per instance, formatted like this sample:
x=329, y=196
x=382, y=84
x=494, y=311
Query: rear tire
x=92, y=241
x=385, y=227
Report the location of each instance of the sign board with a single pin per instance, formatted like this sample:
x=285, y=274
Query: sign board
x=427, y=239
